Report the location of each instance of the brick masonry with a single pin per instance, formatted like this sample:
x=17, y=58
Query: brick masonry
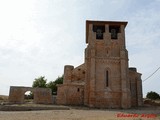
x=41, y=95
x=104, y=80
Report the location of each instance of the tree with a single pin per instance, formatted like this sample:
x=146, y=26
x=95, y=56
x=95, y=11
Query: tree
x=53, y=87
x=53, y=84
x=153, y=95
x=59, y=80
x=40, y=82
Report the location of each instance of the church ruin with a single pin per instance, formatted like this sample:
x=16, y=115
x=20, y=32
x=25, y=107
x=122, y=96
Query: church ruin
x=104, y=80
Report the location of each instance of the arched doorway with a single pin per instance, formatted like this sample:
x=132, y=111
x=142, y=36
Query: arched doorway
x=28, y=97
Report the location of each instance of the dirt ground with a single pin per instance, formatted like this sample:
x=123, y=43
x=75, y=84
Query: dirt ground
x=84, y=114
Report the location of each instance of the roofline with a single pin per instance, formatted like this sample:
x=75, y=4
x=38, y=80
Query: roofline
x=107, y=22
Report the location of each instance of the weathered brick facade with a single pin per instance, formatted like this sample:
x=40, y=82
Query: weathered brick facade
x=104, y=80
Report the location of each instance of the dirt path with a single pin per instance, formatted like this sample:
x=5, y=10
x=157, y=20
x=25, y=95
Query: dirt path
x=82, y=114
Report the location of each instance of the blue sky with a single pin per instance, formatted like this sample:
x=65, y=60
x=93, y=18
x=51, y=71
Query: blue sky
x=39, y=37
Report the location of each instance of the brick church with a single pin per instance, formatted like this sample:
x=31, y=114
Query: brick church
x=104, y=80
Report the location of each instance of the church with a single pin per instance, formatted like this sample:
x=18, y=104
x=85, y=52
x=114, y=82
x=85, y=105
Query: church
x=105, y=79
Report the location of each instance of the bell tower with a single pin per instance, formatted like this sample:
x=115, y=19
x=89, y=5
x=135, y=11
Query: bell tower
x=106, y=62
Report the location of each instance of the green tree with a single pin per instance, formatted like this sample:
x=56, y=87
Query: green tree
x=59, y=80
x=53, y=84
x=40, y=82
x=153, y=95
x=53, y=87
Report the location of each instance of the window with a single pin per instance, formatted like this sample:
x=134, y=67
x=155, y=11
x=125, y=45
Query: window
x=114, y=30
x=99, y=29
x=78, y=90
x=107, y=78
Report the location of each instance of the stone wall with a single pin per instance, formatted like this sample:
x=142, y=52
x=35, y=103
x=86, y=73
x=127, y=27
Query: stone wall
x=136, y=87
x=74, y=75
x=70, y=94
x=41, y=95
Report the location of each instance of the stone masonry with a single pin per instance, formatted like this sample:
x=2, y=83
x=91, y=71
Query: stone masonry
x=41, y=95
x=104, y=80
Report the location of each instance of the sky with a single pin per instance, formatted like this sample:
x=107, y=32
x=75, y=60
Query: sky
x=39, y=37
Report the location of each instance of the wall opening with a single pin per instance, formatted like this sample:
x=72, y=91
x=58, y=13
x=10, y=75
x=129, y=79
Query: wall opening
x=114, y=30
x=107, y=78
x=78, y=90
x=99, y=29
x=28, y=97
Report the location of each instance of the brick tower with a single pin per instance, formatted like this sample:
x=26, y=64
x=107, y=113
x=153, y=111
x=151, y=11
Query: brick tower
x=104, y=80
x=106, y=60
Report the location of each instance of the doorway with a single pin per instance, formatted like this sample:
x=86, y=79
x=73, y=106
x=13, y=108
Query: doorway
x=28, y=97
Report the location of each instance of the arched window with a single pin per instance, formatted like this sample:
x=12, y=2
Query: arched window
x=107, y=78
